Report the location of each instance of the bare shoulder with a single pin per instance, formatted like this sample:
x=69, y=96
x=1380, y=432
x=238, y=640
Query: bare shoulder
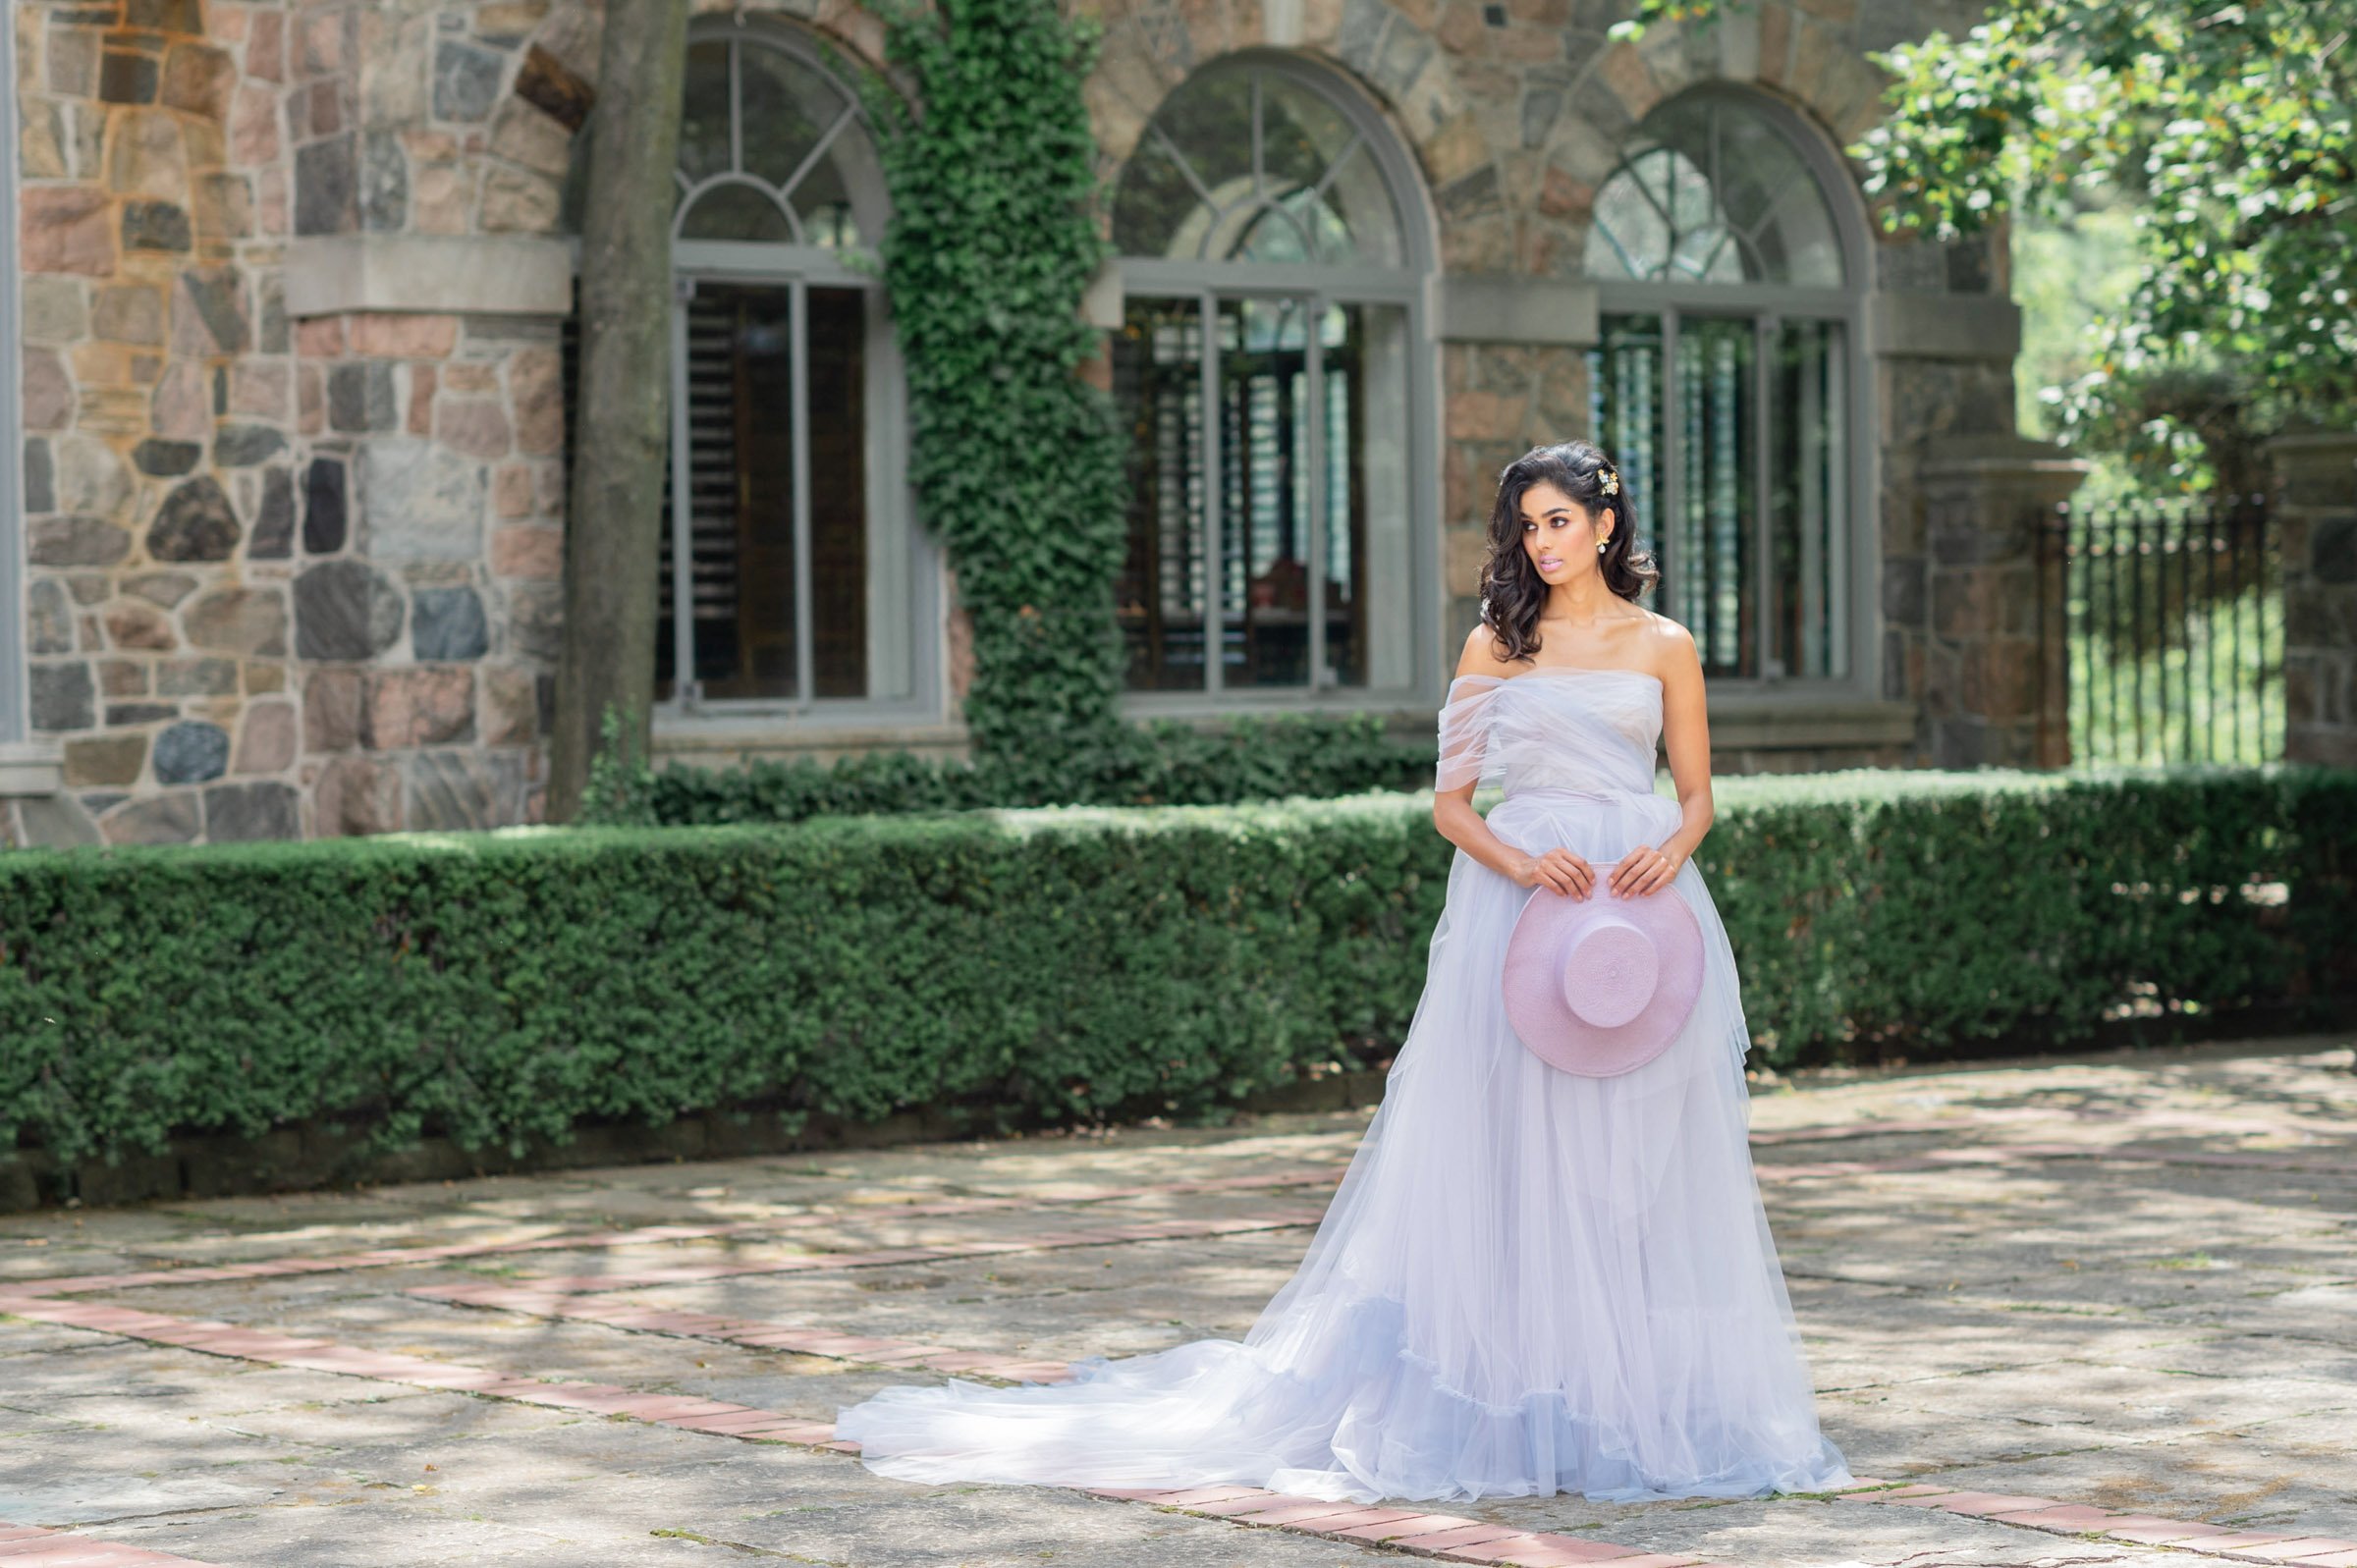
x=1667, y=648
x=1482, y=655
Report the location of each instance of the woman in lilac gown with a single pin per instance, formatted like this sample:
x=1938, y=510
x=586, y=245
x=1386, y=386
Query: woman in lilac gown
x=1528, y=1281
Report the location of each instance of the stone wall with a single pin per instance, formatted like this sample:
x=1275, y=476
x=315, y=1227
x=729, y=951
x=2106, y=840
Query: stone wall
x=290, y=573
x=295, y=469
x=2315, y=512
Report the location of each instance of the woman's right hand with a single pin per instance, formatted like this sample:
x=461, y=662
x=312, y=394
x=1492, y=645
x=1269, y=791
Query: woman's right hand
x=1559, y=870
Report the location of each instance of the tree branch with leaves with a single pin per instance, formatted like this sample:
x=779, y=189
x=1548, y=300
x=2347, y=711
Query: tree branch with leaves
x=2229, y=126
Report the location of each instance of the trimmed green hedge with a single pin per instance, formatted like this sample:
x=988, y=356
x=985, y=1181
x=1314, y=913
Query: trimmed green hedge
x=1077, y=962
x=1160, y=764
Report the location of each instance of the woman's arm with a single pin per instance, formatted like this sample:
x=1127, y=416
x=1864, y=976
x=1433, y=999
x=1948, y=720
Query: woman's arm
x=1687, y=732
x=1452, y=812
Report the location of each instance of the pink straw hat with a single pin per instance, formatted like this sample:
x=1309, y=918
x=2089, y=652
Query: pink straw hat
x=1602, y=985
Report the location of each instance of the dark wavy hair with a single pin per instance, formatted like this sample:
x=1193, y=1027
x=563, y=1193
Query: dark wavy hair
x=1512, y=593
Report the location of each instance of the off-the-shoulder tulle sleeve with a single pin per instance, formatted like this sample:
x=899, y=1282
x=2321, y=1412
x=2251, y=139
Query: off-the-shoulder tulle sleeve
x=1464, y=733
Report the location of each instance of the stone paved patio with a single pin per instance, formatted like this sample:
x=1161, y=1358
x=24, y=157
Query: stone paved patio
x=2088, y=1311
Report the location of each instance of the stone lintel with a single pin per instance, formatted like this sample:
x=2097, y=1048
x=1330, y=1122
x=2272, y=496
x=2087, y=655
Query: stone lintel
x=2047, y=471
x=1489, y=307
x=1913, y=324
x=2316, y=469
x=1777, y=721
x=437, y=274
x=30, y=768
x=727, y=740
x=1104, y=304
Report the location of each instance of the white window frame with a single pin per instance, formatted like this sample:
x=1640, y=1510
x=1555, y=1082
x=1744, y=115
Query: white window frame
x=1204, y=286
x=1855, y=610
x=905, y=588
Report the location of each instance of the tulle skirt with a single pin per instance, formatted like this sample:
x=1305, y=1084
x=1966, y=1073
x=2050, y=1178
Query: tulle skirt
x=1528, y=1281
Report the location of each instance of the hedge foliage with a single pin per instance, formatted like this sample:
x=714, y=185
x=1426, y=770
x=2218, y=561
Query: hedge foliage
x=1077, y=962
x=1136, y=765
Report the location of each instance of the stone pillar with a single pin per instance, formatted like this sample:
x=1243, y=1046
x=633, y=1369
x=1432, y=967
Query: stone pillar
x=2315, y=503
x=1995, y=653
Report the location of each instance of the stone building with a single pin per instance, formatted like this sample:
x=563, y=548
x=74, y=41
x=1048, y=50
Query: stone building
x=282, y=556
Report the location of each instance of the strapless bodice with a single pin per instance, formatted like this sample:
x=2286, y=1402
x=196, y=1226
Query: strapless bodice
x=1551, y=727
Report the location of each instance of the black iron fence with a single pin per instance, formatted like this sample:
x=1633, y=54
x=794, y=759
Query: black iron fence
x=2172, y=618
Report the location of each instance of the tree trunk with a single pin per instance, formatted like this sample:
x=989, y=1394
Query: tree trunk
x=620, y=432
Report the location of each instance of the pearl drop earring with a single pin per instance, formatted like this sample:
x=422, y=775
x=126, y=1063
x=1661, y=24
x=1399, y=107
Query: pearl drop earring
x=1600, y=543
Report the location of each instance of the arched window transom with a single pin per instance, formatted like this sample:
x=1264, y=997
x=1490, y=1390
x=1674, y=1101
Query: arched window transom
x=1709, y=191
x=1256, y=166
x=764, y=143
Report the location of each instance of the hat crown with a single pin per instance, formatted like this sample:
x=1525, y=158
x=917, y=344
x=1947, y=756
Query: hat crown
x=1602, y=985
x=1610, y=970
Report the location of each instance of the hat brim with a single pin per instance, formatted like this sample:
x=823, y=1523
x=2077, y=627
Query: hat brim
x=1533, y=985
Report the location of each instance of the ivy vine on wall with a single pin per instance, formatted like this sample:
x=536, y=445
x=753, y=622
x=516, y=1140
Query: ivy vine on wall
x=1018, y=463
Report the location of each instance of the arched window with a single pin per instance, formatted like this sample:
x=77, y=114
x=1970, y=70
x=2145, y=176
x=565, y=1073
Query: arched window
x=1724, y=381
x=788, y=541
x=1270, y=368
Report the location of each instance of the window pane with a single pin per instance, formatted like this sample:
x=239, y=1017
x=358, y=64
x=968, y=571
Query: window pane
x=1300, y=134
x=788, y=107
x=1154, y=201
x=735, y=212
x=740, y=489
x=1370, y=633
x=1360, y=200
x=1281, y=233
x=1210, y=123
x=824, y=206
x=704, y=112
x=1625, y=405
x=1264, y=492
x=1706, y=572
x=1809, y=499
x=1158, y=382
x=837, y=323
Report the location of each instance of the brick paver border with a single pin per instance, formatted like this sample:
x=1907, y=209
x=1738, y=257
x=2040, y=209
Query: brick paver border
x=31, y=1546
x=1439, y=1535
x=1442, y=1536
x=1317, y=1517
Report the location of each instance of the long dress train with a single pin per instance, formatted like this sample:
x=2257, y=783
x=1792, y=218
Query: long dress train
x=1528, y=1281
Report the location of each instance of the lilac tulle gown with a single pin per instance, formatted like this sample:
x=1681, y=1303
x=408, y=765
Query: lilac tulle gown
x=1527, y=1282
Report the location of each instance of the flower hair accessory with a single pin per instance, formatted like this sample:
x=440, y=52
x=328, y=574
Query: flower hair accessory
x=1607, y=482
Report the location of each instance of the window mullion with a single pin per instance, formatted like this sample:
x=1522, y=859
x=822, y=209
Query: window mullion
x=1260, y=186
x=685, y=687
x=798, y=352
x=1841, y=418
x=1762, y=575
x=1674, y=488
x=735, y=106
x=1313, y=598
x=1215, y=614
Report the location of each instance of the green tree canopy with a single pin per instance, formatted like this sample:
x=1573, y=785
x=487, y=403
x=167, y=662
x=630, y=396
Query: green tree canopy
x=2229, y=128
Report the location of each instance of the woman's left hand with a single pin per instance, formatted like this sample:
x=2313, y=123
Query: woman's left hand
x=1644, y=870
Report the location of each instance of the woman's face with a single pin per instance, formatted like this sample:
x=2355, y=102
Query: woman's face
x=1559, y=535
